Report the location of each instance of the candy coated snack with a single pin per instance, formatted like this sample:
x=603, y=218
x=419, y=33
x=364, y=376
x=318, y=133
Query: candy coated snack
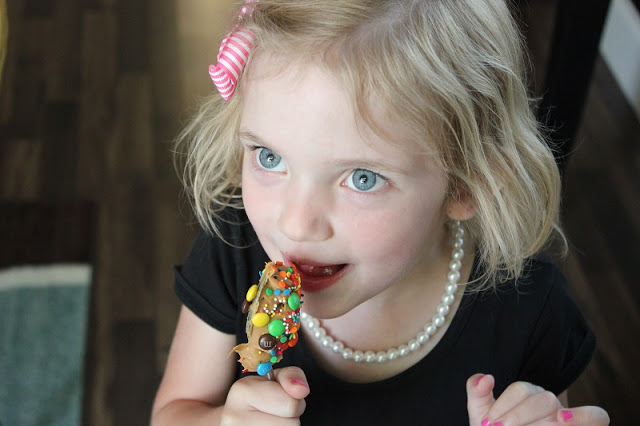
x=273, y=320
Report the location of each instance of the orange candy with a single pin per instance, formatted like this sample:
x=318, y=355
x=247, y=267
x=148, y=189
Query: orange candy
x=292, y=342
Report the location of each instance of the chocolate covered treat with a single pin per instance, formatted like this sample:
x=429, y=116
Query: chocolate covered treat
x=273, y=320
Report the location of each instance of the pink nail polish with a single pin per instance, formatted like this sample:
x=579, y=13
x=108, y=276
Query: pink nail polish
x=566, y=415
x=299, y=382
x=485, y=422
x=479, y=378
x=498, y=424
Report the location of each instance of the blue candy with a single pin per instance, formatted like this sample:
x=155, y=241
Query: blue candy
x=263, y=368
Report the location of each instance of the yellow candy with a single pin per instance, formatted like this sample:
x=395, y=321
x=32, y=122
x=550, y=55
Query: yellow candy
x=260, y=319
x=252, y=292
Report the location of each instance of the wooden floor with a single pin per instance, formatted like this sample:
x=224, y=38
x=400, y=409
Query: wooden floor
x=93, y=92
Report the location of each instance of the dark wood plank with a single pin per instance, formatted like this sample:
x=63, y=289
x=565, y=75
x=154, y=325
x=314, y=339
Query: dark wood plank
x=135, y=376
x=46, y=232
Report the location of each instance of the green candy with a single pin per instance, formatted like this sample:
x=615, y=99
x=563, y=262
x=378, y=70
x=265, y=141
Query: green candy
x=293, y=301
x=269, y=292
x=276, y=327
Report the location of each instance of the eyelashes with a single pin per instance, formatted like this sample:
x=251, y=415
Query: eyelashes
x=360, y=180
x=363, y=180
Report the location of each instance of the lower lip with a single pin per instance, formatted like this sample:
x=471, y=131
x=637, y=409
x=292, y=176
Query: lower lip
x=314, y=283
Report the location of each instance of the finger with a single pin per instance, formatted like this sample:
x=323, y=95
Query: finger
x=512, y=396
x=293, y=381
x=537, y=407
x=258, y=394
x=479, y=397
x=586, y=415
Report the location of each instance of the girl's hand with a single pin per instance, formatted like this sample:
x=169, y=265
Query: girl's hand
x=253, y=400
x=524, y=404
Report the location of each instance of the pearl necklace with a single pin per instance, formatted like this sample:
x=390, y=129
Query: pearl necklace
x=315, y=329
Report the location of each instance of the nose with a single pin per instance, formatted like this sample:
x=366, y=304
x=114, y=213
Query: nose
x=306, y=218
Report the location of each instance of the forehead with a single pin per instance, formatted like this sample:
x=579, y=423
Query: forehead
x=307, y=100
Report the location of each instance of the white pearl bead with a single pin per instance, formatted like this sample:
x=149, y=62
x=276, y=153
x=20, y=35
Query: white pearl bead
x=430, y=329
x=381, y=356
x=453, y=277
x=458, y=254
x=392, y=354
x=423, y=338
x=319, y=333
x=369, y=356
x=451, y=288
x=337, y=346
x=358, y=356
x=443, y=309
x=403, y=350
x=347, y=353
x=414, y=345
x=327, y=341
x=448, y=299
x=438, y=320
x=459, y=242
x=455, y=265
x=314, y=323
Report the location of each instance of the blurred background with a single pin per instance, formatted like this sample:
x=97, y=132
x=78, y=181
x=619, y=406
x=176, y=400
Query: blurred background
x=94, y=91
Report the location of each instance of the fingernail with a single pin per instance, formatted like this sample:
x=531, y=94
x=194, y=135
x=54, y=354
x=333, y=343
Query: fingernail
x=566, y=415
x=498, y=424
x=299, y=382
x=485, y=422
x=479, y=378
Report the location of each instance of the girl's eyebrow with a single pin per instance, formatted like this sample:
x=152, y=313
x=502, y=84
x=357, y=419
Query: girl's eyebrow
x=251, y=137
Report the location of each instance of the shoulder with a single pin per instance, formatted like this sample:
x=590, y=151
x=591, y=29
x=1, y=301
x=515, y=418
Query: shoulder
x=218, y=270
x=540, y=279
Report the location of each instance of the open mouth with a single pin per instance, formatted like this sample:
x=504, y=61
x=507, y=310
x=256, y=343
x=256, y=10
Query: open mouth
x=316, y=277
x=319, y=270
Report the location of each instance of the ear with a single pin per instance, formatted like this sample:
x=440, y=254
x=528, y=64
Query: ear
x=460, y=206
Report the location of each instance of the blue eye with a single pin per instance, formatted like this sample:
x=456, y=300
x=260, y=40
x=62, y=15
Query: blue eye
x=363, y=180
x=269, y=160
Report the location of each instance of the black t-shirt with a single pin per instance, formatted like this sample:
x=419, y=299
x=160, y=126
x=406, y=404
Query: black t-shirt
x=526, y=331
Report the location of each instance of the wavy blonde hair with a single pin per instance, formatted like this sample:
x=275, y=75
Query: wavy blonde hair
x=453, y=71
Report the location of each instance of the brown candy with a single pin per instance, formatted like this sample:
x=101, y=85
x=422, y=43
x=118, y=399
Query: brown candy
x=245, y=306
x=267, y=342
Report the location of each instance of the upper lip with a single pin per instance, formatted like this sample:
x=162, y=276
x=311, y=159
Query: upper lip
x=306, y=261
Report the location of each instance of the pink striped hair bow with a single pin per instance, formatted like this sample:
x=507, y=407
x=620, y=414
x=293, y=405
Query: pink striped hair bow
x=233, y=56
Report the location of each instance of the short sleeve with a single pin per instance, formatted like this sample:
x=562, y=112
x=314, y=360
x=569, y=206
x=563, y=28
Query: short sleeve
x=201, y=286
x=216, y=273
x=561, y=344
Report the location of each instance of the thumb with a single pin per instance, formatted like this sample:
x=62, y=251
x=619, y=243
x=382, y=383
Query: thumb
x=479, y=397
x=293, y=381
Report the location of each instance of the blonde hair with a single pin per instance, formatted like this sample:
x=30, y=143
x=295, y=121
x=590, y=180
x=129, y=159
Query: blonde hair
x=453, y=71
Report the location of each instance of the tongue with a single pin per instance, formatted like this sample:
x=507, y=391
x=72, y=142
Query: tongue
x=319, y=270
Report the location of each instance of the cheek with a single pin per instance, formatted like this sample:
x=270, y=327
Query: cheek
x=252, y=198
x=396, y=236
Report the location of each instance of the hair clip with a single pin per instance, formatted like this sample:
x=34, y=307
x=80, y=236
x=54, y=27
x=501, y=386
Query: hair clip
x=233, y=55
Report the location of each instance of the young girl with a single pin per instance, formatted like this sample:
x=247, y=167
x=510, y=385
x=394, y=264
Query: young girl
x=388, y=149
